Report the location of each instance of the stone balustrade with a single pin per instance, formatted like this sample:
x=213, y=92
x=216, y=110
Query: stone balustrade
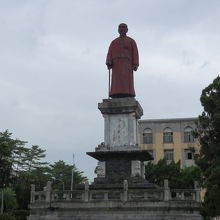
x=124, y=194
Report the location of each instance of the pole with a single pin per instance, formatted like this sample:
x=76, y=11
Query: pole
x=109, y=81
x=2, y=204
x=72, y=176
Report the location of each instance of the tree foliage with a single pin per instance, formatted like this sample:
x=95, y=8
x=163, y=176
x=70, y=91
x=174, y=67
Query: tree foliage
x=208, y=134
x=10, y=151
x=6, y=216
x=10, y=202
x=21, y=166
x=61, y=174
x=178, y=178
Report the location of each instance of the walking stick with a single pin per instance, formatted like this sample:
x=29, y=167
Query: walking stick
x=109, y=79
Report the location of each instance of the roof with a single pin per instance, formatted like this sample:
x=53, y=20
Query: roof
x=168, y=120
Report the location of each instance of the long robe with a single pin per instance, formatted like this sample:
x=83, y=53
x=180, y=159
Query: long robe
x=123, y=56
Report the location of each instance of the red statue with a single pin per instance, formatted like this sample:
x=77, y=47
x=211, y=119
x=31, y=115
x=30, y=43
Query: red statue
x=122, y=58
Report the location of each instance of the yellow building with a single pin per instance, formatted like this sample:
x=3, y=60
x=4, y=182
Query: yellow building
x=171, y=139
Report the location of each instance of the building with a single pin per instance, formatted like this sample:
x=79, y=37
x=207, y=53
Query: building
x=171, y=139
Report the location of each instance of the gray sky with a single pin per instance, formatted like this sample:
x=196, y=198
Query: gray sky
x=53, y=73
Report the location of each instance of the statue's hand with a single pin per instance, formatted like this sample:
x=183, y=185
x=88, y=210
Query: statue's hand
x=109, y=66
x=135, y=68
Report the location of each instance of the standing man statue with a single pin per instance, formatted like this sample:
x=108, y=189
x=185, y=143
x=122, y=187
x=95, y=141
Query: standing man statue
x=122, y=58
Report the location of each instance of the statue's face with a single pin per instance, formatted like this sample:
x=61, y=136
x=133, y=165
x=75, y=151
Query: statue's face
x=122, y=29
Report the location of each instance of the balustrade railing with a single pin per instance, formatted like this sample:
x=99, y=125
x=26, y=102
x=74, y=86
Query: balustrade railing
x=125, y=194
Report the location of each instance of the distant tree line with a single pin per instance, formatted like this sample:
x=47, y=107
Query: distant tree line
x=21, y=166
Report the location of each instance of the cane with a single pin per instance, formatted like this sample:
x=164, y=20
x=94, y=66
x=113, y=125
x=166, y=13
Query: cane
x=109, y=81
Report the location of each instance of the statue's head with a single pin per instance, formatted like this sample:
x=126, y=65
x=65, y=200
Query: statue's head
x=122, y=29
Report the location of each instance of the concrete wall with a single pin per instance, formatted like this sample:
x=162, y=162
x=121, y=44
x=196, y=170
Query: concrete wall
x=116, y=210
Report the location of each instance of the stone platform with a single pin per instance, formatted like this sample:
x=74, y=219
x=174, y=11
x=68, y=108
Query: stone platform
x=115, y=202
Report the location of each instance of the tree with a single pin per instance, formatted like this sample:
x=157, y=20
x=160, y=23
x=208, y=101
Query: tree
x=61, y=174
x=6, y=216
x=32, y=158
x=32, y=171
x=178, y=178
x=21, y=166
x=10, y=149
x=9, y=201
x=208, y=134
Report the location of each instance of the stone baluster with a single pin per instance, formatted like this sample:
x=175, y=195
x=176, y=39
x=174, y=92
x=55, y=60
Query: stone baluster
x=68, y=195
x=182, y=196
x=86, y=193
x=48, y=191
x=105, y=195
x=166, y=190
x=125, y=191
x=32, y=193
x=197, y=189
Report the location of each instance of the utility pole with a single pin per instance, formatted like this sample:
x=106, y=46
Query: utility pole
x=72, y=175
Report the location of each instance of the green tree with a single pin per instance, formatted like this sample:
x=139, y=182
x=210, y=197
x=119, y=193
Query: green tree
x=6, y=216
x=178, y=178
x=32, y=171
x=208, y=134
x=9, y=200
x=32, y=158
x=61, y=174
x=10, y=149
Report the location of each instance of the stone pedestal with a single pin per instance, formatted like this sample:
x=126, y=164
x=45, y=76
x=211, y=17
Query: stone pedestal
x=120, y=118
x=120, y=158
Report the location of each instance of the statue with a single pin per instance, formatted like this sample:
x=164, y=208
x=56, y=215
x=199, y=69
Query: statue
x=122, y=58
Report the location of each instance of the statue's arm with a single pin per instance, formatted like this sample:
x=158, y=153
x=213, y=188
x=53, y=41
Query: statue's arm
x=135, y=61
x=109, y=60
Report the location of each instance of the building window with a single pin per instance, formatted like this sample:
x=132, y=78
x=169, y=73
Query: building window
x=147, y=136
x=168, y=155
x=188, y=154
x=188, y=136
x=167, y=135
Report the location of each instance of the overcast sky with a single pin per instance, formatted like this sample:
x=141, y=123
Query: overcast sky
x=53, y=73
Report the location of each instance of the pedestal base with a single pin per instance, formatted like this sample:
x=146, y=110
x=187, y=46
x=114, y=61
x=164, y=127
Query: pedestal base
x=121, y=165
x=120, y=118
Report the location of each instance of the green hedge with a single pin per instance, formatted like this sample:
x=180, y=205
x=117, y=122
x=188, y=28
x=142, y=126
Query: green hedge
x=6, y=216
x=21, y=214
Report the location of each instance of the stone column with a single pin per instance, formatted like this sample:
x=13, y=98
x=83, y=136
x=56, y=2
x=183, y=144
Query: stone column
x=48, y=191
x=86, y=192
x=32, y=193
x=125, y=191
x=166, y=190
x=197, y=189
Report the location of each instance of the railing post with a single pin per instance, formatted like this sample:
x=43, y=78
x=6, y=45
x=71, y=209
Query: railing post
x=68, y=195
x=86, y=193
x=48, y=191
x=166, y=190
x=32, y=193
x=182, y=196
x=105, y=195
x=197, y=189
x=125, y=191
